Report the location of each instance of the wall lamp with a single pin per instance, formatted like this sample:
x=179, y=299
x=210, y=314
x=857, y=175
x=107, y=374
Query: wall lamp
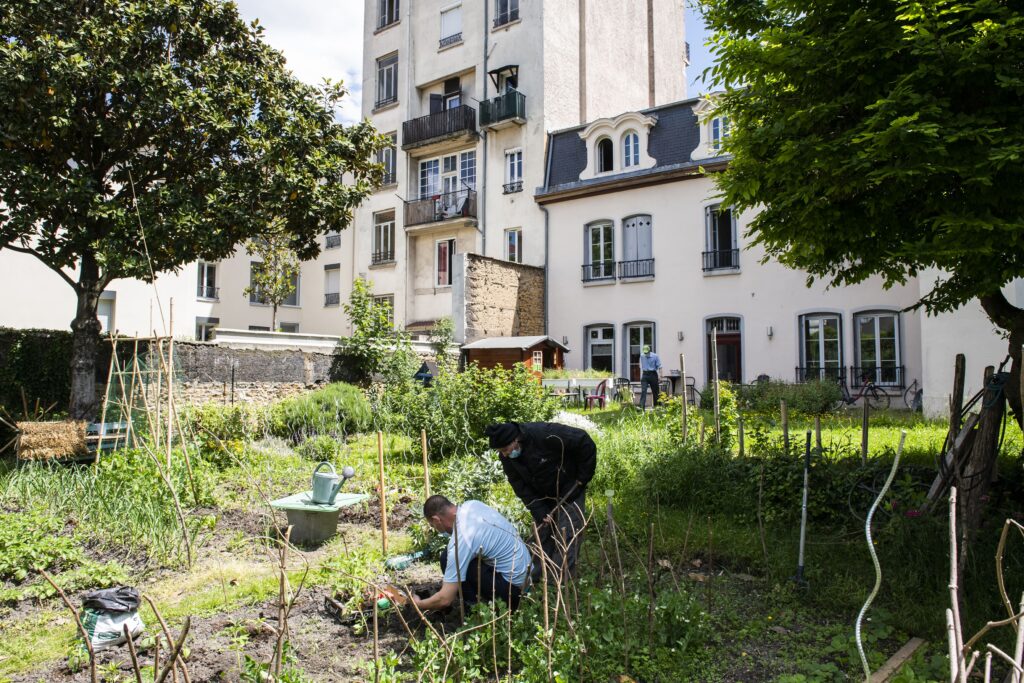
x=679, y=335
x=771, y=332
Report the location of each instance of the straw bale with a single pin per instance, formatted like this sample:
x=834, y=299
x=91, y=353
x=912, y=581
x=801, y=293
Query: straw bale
x=51, y=440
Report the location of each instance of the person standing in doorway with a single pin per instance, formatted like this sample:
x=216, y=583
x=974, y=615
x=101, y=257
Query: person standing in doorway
x=650, y=376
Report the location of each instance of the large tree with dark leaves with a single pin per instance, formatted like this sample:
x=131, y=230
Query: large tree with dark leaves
x=161, y=119
x=882, y=137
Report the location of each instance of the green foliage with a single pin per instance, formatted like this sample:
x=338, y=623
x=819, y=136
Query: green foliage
x=570, y=373
x=36, y=362
x=319, y=448
x=375, y=348
x=31, y=540
x=222, y=430
x=727, y=411
x=441, y=339
x=457, y=406
x=337, y=409
x=275, y=277
x=815, y=397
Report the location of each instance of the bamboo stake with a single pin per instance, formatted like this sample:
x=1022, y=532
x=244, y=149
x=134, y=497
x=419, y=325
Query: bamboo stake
x=159, y=390
x=785, y=425
x=383, y=494
x=376, y=638
x=426, y=464
x=78, y=622
x=817, y=432
x=106, y=400
x=739, y=430
x=131, y=652
x=170, y=382
x=129, y=413
x=864, y=422
x=650, y=592
x=714, y=366
x=682, y=375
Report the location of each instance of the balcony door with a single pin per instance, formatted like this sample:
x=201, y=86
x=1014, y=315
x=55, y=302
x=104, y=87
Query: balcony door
x=639, y=336
x=636, y=247
x=728, y=347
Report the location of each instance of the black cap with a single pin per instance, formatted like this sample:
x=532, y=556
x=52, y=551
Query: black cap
x=502, y=434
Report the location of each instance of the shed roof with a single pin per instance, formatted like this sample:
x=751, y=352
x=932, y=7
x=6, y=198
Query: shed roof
x=521, y=343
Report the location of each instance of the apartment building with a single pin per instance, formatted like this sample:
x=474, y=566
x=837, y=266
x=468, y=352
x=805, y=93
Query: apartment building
x=467, y=93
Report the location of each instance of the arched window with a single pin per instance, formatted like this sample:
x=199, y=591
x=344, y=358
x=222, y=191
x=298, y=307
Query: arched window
x=630, y=149
x=605, y=155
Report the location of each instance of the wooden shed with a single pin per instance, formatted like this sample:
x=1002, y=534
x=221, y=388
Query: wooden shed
x=537, y=353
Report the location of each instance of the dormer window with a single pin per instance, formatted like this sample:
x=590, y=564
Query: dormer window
x=605, y=156
x=714, y=130
x=630, y=149
x=719, y=131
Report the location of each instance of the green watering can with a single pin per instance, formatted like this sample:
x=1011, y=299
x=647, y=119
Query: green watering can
x=326, y=485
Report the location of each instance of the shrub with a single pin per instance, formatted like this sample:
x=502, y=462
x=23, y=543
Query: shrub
x=727, y=411
x=31, y=540
x=337, y=409
x=816, y=397
x=219, y=427
x=567, y=373
x=319, y=448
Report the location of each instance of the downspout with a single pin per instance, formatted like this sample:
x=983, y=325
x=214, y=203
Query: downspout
x=410, y=264
x=547, y=286
x=483, y=180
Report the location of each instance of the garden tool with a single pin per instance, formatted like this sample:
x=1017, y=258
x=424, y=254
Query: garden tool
x=799, y=578
x=326, y=485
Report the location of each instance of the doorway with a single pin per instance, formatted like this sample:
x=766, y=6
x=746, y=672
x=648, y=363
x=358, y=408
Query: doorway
x=729, y=349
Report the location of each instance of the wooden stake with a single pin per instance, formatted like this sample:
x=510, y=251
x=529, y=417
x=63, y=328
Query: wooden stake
x=131, y=392
x=785, y=424
x=817, y=432
x=106, y=400
x=864, y=434
x=714, y=366
x=426, y=464
x=383, y=494
x=78, y=622
x=739, y=430
x=170, y=382
x=956, y=406
x=159, y=391
x=682, y=376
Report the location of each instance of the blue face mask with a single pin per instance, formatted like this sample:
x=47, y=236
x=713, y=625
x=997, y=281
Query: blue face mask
x=516, y=453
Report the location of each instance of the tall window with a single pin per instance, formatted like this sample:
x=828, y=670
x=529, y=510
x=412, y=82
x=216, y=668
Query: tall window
x=451, y=26
x=256, y=297
x=513, y=171
x=389, y=301
x=605, y=155
x=638, y=335
x=821, y=347
x=387, y=13
x=630, y=149
x=722, y=252
x=467, y=169
x=514, y=245
x=447, y=175
x=383, y=237
x=878, y=348
x=388, y=158
x=601, y=348
x=387, y=80
x=600, y=254
x=505, y=11
x=332, y=284
x=445, y=254
x=637, y=255
x=430, y=178
x=719, y=131
x=206, y=286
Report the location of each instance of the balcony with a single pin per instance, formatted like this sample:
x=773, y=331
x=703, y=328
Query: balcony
x=442, y=207
x=332, y=299
x=643, y=268
x=506, y=18
x=510, y=188
x=455, y=123
x=503, y=111
x=453, y=39
x=380, y=257
x=211, y=293
x=332, y=241
x=600, y=271
x=813, y=373
x=886, y=375
x=721, y=259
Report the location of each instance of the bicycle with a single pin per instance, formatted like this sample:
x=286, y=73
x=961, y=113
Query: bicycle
x=875, y=396
x=913, y=397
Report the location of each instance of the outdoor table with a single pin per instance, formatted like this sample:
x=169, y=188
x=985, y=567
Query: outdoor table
x=314, y=522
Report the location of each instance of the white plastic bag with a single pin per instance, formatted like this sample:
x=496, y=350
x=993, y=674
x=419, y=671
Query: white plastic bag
x=106, y=629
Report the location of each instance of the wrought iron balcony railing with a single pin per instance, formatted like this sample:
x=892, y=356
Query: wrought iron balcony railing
x=509, y=106
x=635, y=269
x=204, y=292
x=332, y=241
x=811, y=373
x=332, y=298
x=506, y=18
x=450, y=40
x=601, y=270
x=450, y=122
x=884, y=375
x=721, y=259
x=388, y=98
x=441, y=207
x=509, y=188
x=384, y=256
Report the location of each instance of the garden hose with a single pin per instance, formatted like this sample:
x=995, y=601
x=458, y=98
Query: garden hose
x=874, y=557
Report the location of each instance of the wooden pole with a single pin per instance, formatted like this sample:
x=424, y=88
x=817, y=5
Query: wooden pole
x=426, y=464
x=383, y=494
x=956, y=406
x=864, y=434
x=131, y=391
x=817, y=432
x=159, y=390
x=170, y=382
x=739, y=429
x=106, y=399
x=682, y=375
x=785, y=424
x=714, y=367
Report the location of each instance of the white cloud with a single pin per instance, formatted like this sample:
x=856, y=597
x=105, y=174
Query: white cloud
x=319, y=38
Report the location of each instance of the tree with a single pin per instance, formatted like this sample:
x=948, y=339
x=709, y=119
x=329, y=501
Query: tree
x=441, y=339
x=375, y=346
x=140, y=136
x=881, y=138
x=275, y=277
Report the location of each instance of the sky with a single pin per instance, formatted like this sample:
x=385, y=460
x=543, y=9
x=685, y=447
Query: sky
x=324, y=39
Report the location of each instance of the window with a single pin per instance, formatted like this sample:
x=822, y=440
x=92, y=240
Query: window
x=451, y=26
x=514, y=245
x=387, y=13
x=293, y=298
x=821, y=347
x=600, y=263
x=383, y=238
x=467, y=169
x=430, y=183
x=388, y=158
x=259, y=328
x=719, y=131
x=332, y=239
x=605, y=156
x=256, y=297
x=448, y=175
x=288, y=327
x=630, y=149
x=513, y=171
x=505, y=11
x=105, y=311
x=508, y=81
x=720, y=239
x=601, y=348
x=878, y=348
x=638, y=335
x=445, y=254
x=538, y=360
x=389, y=301
x=332, y=284
x=206, y=285
x=637, y=259
x=387, y=80
x=206, y=328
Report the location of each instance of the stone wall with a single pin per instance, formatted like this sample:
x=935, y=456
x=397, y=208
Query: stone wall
x=501, y=299
x=253, y=393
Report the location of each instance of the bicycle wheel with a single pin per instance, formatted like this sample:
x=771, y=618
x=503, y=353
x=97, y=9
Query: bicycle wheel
x=876, y=398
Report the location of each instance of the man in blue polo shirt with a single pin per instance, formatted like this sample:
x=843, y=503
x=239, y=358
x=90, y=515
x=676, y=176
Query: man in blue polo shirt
x=504, y=561
x=650, y=376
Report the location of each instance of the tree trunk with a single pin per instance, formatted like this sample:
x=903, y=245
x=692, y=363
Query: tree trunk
x=1011, y=319
x=85, y=343
x=973, y=483
x=273, y=318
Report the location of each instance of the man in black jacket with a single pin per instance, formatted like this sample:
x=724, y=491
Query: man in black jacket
x=549, y=466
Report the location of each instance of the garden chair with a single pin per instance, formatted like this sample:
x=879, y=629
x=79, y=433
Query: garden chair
x=599, y=395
